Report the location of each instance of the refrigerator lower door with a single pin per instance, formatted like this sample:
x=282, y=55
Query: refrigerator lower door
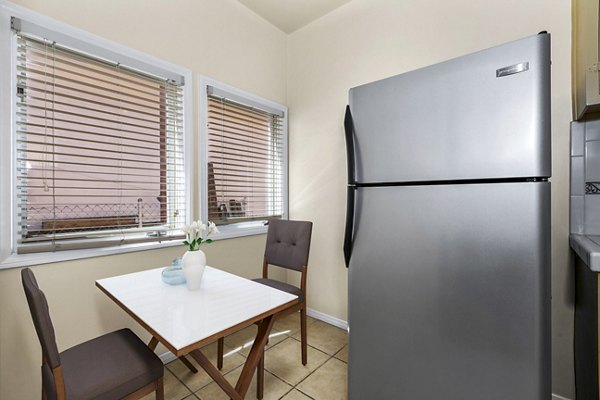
x=449, y=293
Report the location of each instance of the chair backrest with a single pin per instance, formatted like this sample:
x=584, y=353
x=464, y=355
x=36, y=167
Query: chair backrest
x=288, y=243
x=38, y=306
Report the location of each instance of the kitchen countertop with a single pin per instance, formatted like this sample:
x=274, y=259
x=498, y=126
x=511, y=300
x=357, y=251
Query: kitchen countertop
x=587, y=248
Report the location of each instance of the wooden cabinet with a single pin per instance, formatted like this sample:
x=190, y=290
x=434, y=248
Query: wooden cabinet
x=586, y=63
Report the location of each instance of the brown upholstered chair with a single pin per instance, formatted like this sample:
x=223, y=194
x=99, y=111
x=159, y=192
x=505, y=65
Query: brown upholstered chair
x=117, y=365
x=288, y=246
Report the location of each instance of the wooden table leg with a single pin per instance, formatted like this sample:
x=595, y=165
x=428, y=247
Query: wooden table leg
x=188, y=364
x=260, y=377
x=154, y=342
x=252, y=363
x=214, y=373
x=220, y=353
x=256, y=353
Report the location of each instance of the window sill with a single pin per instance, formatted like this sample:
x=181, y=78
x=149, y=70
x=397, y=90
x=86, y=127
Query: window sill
x=25, y=260
x=240, y=230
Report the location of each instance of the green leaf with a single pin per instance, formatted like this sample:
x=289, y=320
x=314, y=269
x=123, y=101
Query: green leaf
x=208, y=241
x=186, y=242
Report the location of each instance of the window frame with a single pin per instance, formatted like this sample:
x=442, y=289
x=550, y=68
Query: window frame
x=242, y=228
x=8, y=207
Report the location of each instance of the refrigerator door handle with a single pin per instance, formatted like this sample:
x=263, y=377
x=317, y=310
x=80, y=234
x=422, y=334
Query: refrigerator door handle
x=349, y=230
x=349, y=130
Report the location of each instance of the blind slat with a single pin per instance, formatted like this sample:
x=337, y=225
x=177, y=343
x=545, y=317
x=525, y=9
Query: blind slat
x=31, y=40
x=97, y=132
x=57, y=164
x=161, y=109
x=217, y=135
x=127, y=141
x=85, y=112
x=95, y=91
x=232, y=127
x=79, y=123
x=41, y=65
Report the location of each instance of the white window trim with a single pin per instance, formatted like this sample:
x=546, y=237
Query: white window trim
x=8, y=256
x=243, y=228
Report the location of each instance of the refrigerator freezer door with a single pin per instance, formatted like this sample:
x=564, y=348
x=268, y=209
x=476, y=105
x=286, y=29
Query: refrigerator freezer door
x=449, y=293
x=481, y=116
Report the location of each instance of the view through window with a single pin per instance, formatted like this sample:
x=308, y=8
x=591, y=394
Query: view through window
x=245, y=165
x=99, y=150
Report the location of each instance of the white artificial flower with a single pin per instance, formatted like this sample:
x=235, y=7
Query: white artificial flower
x=194, y=231
x=212, y=228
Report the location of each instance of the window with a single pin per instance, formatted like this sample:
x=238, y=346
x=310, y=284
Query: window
x=98, y=146
x=245, y=149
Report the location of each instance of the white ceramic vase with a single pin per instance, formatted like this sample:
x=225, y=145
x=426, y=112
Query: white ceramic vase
x=193, y=263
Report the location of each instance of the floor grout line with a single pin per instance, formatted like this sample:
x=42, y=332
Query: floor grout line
x=295, y=387
x=303, y=379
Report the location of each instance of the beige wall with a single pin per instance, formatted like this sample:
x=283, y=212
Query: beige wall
x=360, y=42
x=366, y=40
x=219, y=39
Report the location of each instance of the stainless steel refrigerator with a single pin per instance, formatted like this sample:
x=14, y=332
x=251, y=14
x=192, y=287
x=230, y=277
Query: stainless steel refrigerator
x=448, y=229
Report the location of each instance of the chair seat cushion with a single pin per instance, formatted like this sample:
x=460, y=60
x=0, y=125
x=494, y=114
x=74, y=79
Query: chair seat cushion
x=109, y=367
x=286, y=287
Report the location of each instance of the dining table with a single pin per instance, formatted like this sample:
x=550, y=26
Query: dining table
x=185, y=320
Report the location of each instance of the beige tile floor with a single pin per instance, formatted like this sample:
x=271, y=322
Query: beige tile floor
x=323, y=378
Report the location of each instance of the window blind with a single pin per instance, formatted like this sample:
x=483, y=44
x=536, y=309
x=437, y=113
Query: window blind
x=99, y=151
x=245, y=162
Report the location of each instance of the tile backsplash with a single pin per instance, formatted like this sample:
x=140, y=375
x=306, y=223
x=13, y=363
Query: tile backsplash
x=585, y=177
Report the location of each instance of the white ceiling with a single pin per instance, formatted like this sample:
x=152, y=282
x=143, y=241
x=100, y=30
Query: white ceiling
x=290, y=15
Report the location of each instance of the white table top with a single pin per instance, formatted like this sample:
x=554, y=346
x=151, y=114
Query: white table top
x=183, y=317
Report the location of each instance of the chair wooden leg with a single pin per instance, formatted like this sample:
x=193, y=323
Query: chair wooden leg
x=303, y=335
x=220, y=353
x=260, y=377
x=153, y=343
x=160, y=390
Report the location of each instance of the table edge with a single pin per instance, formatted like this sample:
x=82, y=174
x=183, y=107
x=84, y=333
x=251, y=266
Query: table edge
x=162, y=340
x=201, y=343
x=235, y=328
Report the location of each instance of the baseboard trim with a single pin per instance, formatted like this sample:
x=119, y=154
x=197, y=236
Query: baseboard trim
x=557, y=397
x=340, y=323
